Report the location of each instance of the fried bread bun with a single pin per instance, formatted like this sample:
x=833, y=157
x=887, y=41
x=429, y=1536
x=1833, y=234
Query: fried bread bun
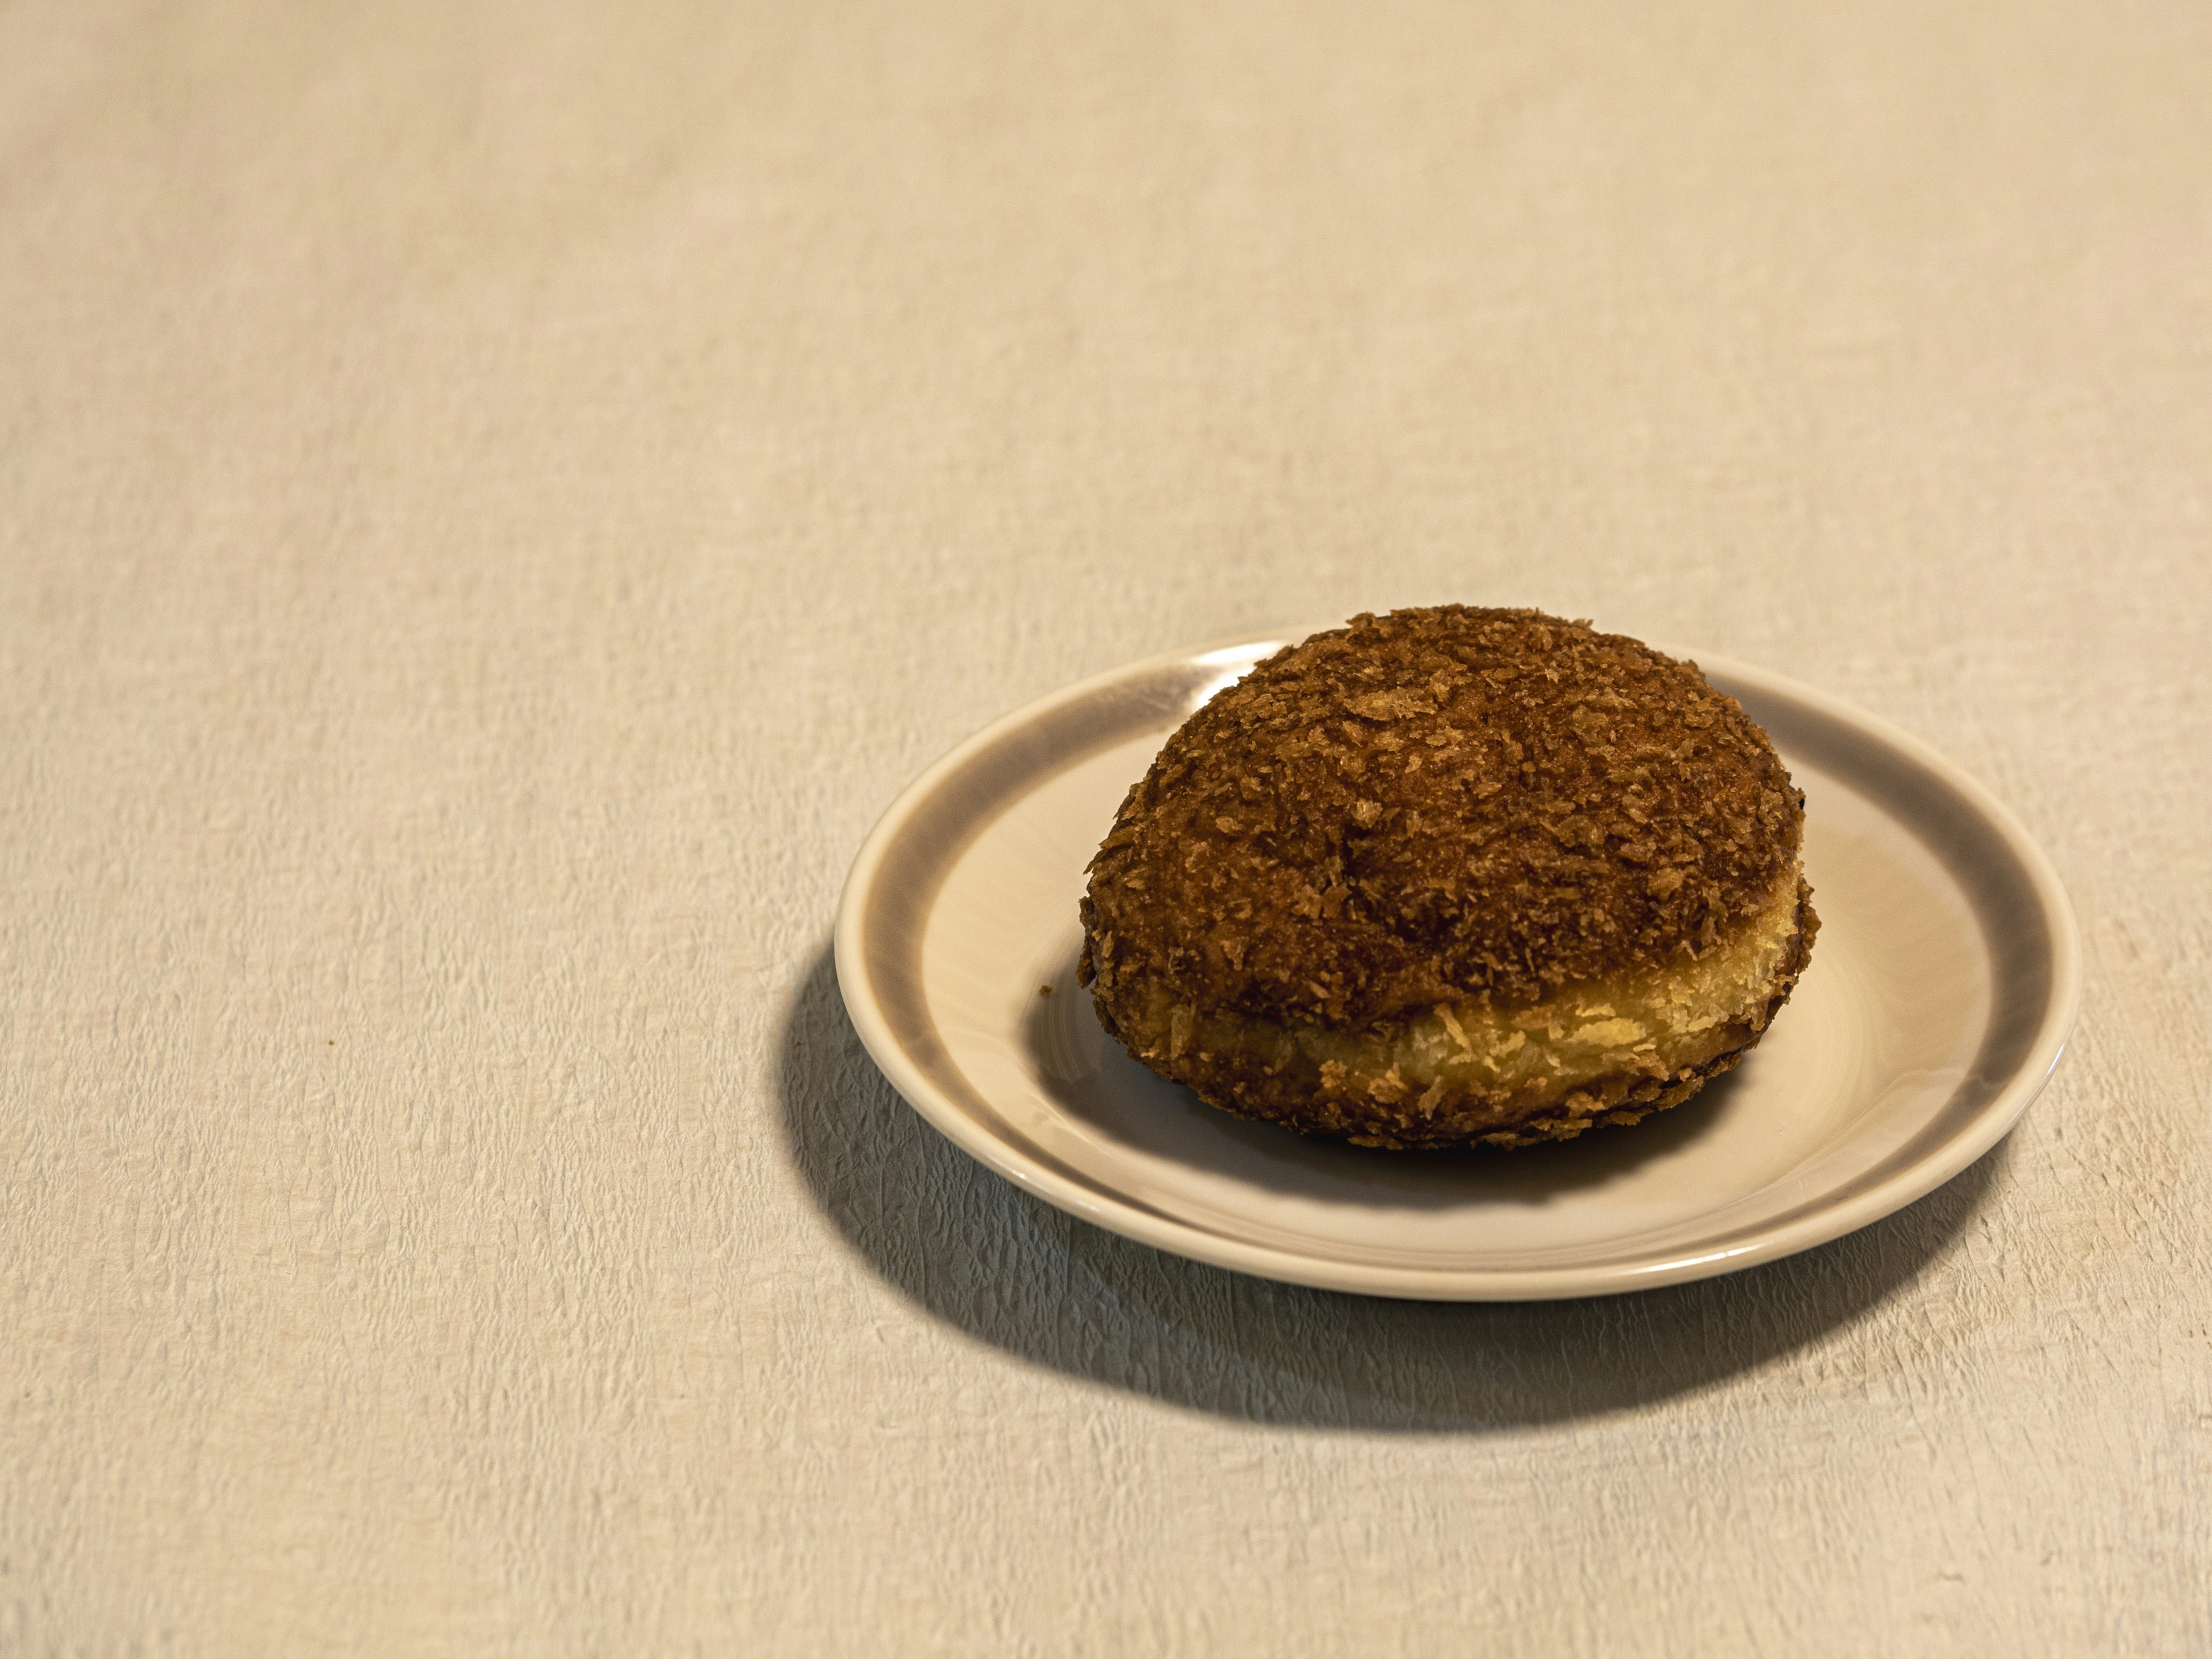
x=1452, y=876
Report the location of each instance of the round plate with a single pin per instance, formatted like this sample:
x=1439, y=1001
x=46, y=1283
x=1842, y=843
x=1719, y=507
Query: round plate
x=1938, y=999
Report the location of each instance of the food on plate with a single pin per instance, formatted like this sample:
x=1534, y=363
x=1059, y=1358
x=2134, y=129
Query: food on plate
x=1452, y=876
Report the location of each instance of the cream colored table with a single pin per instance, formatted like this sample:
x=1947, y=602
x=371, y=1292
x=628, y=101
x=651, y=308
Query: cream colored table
x=494, y=499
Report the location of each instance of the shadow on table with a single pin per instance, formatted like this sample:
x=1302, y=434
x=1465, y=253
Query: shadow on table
x=981, y=1255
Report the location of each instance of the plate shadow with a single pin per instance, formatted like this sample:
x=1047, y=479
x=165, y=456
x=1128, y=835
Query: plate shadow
x=981, y=1255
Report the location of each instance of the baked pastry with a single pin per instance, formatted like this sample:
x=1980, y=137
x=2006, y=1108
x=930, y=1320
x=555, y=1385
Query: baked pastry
x=1452, y=876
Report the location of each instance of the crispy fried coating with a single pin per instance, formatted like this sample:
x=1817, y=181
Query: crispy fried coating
x=1439, y=817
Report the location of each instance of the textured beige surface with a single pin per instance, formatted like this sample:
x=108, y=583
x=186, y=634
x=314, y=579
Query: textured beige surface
x=494, y=499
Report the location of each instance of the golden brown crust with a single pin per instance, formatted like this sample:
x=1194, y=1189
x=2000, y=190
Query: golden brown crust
x=1315, y=1103
x=1444, y=805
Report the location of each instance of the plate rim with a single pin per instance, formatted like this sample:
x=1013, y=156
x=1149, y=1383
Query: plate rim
x=863, y=1004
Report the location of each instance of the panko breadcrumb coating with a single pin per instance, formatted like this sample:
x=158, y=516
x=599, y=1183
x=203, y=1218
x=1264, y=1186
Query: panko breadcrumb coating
x=1451, y=876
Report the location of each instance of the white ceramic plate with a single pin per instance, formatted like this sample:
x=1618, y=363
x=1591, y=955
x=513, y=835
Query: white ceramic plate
x=1940, y=994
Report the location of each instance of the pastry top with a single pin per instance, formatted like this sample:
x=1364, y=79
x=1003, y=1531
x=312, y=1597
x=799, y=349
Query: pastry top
x=1451, y=804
